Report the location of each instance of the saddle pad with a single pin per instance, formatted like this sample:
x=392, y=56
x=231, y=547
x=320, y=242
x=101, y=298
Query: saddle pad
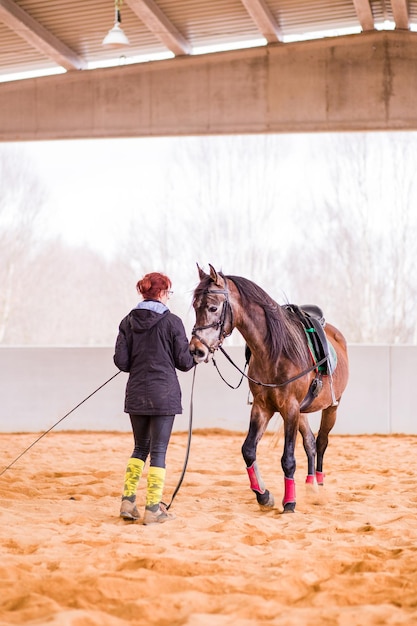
x=332, y=362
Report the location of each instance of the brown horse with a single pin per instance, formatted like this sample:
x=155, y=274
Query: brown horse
x=284, y=375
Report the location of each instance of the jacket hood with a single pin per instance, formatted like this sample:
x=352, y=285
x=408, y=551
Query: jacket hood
x=141, y=320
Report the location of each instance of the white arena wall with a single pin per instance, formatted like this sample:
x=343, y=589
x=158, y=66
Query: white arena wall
x=39, y=386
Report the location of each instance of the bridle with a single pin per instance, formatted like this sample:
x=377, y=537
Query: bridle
x=218, y=324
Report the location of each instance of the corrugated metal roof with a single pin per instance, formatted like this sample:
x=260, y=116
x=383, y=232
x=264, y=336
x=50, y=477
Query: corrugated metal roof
x=78, y=26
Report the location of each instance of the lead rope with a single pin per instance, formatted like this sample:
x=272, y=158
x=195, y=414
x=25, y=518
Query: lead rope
x=58, y=422
x=187, y=454
x=190, y=427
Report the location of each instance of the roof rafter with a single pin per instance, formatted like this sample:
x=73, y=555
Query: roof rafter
x=364, y=13
x=400, y=14
x=158, y=23
x=264, y=20
x=38, y=36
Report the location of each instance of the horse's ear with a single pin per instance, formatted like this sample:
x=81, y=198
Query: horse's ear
x=215, y=277
x=200, y=272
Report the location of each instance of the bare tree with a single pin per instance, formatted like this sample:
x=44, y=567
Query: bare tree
x=226, y=214
x=20, y=212
x=328, y=220
x=356, y=250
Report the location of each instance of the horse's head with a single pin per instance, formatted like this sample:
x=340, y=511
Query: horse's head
x=213, y=312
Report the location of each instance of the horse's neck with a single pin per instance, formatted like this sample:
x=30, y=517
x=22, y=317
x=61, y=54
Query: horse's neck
x=253, y=330
x=289, y=345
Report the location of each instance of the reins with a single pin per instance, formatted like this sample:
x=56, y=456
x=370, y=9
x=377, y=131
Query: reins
x=257, y=382
x=234, y=365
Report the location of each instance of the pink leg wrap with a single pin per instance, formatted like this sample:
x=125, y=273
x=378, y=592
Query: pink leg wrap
x=320, y=478
x=310, y=479
x=255, y=479
x=289, y=495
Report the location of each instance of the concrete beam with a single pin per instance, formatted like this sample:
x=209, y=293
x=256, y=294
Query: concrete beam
x=353, y=83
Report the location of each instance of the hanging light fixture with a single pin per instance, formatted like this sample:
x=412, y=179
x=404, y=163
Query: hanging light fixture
x=116, y=38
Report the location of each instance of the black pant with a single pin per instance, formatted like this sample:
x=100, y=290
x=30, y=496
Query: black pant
x=151, y=434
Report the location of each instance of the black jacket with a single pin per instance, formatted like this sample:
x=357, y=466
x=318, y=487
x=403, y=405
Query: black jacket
x=150, y=346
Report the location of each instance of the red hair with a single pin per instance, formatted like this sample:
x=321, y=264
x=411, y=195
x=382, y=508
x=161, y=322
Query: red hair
x=151, y=285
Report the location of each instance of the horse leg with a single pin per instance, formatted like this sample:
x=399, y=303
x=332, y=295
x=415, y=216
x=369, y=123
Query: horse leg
x=328, y=419
x=309, y=444
x=291, y=424
x=257, y=428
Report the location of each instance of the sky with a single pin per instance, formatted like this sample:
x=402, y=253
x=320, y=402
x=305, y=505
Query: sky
x=87, y=185
x=93, y=184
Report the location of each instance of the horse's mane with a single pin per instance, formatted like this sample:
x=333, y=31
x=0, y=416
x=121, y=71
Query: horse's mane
x=282, y=336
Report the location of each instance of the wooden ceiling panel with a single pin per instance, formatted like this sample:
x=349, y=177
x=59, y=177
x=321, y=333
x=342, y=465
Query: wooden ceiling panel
x=37, y=34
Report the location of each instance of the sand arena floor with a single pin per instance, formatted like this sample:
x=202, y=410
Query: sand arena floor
x=348, y=556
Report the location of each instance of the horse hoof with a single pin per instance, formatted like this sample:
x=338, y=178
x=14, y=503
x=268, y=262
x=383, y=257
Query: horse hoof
x=311, y=489
x=289, y=507
x=267, y=501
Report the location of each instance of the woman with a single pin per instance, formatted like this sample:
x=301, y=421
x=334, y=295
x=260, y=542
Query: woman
x=151, y=345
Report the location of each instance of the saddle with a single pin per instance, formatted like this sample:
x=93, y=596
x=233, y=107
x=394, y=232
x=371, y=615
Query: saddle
x=312, y=319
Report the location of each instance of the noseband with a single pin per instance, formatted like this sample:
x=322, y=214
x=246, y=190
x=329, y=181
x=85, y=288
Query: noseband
x=218, y=324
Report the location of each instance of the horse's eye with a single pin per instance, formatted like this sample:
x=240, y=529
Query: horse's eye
x=212, y=309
